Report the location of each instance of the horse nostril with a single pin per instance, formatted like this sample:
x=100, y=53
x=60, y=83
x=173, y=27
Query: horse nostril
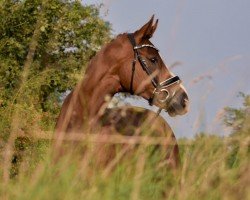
x=184, y=100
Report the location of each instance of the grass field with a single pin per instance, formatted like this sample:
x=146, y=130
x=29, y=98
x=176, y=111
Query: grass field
x=211, y=168
x=35, y=72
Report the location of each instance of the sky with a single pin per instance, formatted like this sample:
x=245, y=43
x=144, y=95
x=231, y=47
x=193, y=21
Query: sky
x=211, y=42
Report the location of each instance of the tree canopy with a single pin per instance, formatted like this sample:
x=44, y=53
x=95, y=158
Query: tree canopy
x=239, y=118
x=44, y=49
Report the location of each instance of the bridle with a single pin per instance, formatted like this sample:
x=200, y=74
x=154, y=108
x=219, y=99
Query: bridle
x=159, y=87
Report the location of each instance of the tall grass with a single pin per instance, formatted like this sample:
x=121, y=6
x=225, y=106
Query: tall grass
x=212, y=168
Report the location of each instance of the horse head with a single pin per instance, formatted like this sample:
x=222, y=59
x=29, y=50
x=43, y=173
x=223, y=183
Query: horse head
x=129, y=63
x=142, y=71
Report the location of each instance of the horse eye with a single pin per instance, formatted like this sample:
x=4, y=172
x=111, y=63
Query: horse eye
x=153, y=60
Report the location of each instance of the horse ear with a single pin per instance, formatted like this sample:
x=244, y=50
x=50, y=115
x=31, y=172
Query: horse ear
x=147, y=30
x=154, y=27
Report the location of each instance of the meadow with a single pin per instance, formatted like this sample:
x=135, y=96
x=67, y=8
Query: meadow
x=39, y=64
x=212, y=167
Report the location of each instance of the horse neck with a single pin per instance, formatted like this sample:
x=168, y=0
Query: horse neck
x=97, y=84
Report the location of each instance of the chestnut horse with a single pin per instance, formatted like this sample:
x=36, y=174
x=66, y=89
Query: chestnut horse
x=129, y=63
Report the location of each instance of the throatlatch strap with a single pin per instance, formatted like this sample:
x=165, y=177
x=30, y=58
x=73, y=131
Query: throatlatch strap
x=132, y=77
x=132, y=41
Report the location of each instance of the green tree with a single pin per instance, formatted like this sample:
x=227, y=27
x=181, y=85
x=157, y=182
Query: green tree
x=45, y=46
x=239, y=118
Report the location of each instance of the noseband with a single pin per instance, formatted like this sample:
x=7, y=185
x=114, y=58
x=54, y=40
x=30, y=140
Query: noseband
x=161, y=87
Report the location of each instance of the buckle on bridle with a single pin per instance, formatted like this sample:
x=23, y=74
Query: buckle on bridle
x=162, y=88
x=165, y=97
x=156, y=96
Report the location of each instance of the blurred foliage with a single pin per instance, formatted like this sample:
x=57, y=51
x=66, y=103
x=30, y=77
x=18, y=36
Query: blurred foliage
x=212, y=168
x=239, y=118
x=69, y=34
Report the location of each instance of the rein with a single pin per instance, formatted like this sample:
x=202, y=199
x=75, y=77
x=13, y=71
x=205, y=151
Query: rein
x=159, y=87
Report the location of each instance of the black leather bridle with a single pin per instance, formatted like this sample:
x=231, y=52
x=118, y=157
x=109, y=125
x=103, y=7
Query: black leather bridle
x=159, y=87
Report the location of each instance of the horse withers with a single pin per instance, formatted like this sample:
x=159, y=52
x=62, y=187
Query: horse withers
x=129, y=63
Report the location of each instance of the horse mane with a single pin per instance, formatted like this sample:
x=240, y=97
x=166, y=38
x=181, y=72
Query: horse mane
x=107, y=50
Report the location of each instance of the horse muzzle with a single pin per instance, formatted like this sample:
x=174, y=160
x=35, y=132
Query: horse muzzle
x=178, y=105
x=175, y=103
